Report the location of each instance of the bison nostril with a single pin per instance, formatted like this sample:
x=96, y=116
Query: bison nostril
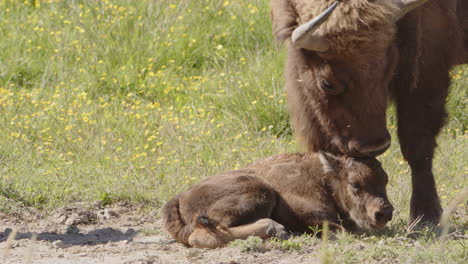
x=389, y=212
x=384, y=215
x=379, y=216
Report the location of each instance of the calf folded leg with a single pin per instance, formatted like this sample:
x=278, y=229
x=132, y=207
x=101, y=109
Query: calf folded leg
x=207, y=235
x=252, y=200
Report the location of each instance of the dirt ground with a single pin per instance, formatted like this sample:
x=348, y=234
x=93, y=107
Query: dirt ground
x=113, y=235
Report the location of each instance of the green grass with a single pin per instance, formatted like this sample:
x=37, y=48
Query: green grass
x=137, y=100
x=132, y=101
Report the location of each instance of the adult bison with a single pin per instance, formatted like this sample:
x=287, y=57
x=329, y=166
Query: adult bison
x=347, y=59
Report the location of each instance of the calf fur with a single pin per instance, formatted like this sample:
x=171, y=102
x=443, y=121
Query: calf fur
x=281, y=194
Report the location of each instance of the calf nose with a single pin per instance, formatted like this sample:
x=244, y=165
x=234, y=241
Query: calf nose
x=384, y=214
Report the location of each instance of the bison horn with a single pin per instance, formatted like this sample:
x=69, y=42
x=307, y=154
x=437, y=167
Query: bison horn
x=303, y=36
x=407, y=5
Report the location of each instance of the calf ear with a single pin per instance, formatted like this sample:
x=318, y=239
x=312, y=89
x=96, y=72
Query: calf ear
x=283, y=18
x=330, y=163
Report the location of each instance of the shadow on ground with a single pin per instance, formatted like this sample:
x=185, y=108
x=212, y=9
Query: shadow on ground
x=74, y=237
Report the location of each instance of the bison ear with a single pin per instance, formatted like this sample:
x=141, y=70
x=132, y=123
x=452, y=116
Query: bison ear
x=406, y=6
x=330, y=163
x=283, y=19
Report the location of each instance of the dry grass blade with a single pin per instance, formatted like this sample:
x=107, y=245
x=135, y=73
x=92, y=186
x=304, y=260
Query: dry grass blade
x=445, y=220
x=325, y=258
x=29, y=252
x=412, y=225
x=9, y=243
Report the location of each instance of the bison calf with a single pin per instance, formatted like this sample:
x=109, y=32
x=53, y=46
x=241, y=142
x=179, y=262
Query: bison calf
x=287, y=192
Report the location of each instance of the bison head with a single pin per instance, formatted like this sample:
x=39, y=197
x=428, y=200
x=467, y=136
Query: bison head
x=340, y=65
x=358, y=186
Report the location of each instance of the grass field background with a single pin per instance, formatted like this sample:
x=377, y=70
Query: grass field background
x=137, y=100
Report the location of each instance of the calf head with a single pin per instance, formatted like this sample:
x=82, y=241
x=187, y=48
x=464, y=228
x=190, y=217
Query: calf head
x=359, y=189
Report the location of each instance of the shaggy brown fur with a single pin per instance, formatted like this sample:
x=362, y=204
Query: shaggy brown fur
x=338, y=98
x=285, y=192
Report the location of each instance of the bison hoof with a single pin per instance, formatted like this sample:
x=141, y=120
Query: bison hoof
x=276, y=230
x=424, y=219
x=426, y=213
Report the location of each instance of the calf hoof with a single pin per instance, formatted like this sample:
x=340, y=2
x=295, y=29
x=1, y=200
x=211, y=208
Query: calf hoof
x=276, y=230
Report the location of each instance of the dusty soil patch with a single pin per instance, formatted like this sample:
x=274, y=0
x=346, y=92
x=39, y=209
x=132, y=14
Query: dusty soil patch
x=114, y=235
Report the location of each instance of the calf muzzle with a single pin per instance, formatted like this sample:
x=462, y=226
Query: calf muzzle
x=383, y=215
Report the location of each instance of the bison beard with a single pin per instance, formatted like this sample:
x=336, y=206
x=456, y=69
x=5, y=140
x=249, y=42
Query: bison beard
x=343, y=69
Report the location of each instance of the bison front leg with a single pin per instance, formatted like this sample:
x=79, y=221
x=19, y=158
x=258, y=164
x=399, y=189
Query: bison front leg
x=421, y=115
x=425, y=203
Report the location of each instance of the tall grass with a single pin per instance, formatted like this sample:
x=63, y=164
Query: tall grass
x=133, y=100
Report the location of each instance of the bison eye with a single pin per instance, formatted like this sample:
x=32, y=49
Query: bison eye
x=356, y=186
x=330, y=88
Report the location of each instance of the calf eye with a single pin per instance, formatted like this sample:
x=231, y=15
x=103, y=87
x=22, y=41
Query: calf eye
x=356, y=186
x=330, y=88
